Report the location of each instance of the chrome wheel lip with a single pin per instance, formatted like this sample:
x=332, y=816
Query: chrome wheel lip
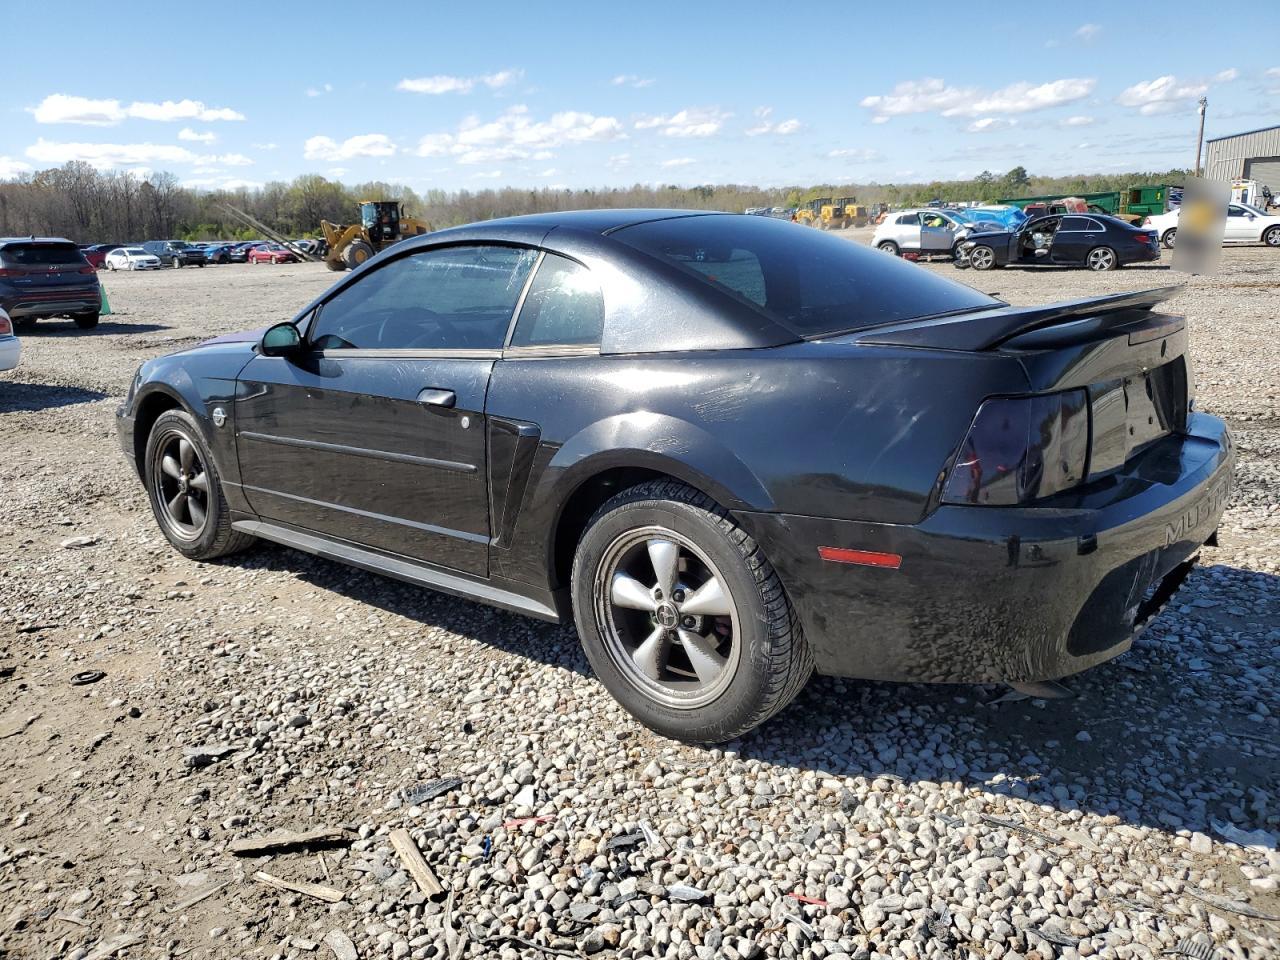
x=182, y=486
x=622, y=644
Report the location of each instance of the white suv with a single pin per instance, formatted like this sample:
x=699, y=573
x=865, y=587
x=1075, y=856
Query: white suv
x=1245, y=224
x=928, y=230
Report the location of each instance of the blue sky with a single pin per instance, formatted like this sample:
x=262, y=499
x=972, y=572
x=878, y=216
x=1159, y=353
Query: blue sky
x=477, y=95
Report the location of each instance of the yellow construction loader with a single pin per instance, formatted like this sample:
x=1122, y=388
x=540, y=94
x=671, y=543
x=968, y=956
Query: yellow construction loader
x=810, y=215
x=382, y=223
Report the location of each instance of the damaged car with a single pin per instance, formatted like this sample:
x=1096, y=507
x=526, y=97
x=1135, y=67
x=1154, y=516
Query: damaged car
x=1095, y=241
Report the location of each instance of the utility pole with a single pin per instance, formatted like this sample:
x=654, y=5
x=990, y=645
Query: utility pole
x=1204, y=102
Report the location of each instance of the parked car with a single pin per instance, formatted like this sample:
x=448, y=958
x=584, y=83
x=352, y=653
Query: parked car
x=43, y=277
x=175, y=253
x=1245, y=224
x=132, y=258
x=92, y=255
x=732, y=452
x=239, y=252
x=217, y=253
x=1097, y=241
x=10, y=345
x=921, y=230
x=271, y=253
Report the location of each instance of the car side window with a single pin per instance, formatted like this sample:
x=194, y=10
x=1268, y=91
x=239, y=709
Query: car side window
x=909, y=220
x=1072, y=224
x=449, y=298
x=563, y=307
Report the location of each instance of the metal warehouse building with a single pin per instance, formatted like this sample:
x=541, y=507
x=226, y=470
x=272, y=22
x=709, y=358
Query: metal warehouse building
x=1253, y=155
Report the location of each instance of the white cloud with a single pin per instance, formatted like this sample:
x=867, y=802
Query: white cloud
x=856, y=154
x=1161, y=95
x=108, y=155
x=1226, y=76
x=220, y=183
x=320, y=91
x=364, y=145
x=678, y=162
x=631, y=80
x=549, y=172
x=62, y=108
x=515, y=135
x=989, y=124
x=1077, y=121
x=1088, y=31
x=618, y=161
x=232, y=160
x=932, y=95
x=10, y=168
x=443, y=83
x=266, y=146
x=487, y=175
x=692, y=122
x=765, y=125
x=186, y=133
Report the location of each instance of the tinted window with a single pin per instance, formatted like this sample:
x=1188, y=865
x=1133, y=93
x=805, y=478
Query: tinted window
x=563, y=307
x=810, y=282
x=42, y=254
x=456, y=298
x=1075, y=223
x=909, y=220
x=1234, y=211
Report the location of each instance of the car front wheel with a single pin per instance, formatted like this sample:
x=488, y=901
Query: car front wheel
x=186, y=491
x=982, y=257
x=683, y=619
x=1272, y=237
x=1170, y=238
x=888, y=247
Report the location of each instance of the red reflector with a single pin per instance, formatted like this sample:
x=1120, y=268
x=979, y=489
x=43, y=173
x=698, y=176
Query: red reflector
x=6, y=327
x=866, y=558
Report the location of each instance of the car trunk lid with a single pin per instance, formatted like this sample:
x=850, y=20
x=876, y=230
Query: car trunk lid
x=43, y=264
x=1131, y=362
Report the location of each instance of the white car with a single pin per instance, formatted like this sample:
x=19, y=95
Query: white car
x=131, y=258
x=1245, y=224
x=10, y=346
x=928, y=230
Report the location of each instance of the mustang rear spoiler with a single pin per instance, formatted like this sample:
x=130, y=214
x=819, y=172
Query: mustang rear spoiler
x=985, y=329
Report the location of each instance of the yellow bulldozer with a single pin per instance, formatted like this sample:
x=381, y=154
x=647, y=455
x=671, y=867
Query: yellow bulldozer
x=382, y=223
x=810, y=215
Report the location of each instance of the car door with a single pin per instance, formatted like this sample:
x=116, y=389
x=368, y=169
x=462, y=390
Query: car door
x=906, y=231
x=375, y=433
x=937, y=233
x=1074, y=238
x=1239, y=224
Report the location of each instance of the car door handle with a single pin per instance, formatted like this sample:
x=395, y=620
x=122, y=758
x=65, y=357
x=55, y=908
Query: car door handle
x=436, y=397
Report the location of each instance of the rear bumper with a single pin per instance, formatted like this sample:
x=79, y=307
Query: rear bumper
x=50, y=302
x=997, y=594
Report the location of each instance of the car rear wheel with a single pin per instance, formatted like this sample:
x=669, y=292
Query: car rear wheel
x=888, y=247
x=186, y=491
x=1170, y=238
x=1272, y=237
x=1102, y=258
x=982, y=257
x=177, y=262
x=684, y=620
x=86, y=321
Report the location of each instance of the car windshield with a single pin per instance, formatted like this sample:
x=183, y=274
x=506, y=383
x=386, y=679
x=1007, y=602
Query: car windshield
x=42, y=254
x=810, y=282
x=1252, y=209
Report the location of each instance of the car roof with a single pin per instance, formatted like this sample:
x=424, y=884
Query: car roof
x=595, y=221
x=4, y=240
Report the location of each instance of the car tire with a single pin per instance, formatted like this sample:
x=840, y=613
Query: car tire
x=704, y=675
x=177, y=264
x=111, y=267
x=1271, y=237
x=1101, y=259
x=206, y=532
x=24, y=323
x=889, y=247
x=86, y=321
x=982, y=257
x=1170, y=238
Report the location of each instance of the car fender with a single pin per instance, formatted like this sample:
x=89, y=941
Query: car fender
x=659, y=442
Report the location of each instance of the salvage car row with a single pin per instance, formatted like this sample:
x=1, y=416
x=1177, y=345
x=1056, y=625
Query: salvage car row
x=179, y=253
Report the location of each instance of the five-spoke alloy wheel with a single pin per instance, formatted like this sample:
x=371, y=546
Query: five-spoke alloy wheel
x=682, y=617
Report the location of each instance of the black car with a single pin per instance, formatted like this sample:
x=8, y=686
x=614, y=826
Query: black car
x=1095, y=241
x=43, y=277
x=239, y=252
x=217, y=252
x=732, y=452
x=175, y=253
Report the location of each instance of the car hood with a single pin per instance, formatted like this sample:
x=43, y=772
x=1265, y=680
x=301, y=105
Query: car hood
x=244, y=336
x=990, y=234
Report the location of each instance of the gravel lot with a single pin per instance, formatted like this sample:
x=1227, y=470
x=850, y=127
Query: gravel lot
x=278, y=692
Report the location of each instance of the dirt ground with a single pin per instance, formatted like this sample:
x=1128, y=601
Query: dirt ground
x=333, y=689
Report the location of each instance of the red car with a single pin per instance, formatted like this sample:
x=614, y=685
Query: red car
x=271, y=253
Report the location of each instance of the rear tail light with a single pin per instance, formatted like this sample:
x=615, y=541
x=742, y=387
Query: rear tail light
x=1021, y=449
x=6, y=326
x=87, y=269
x=12, y=272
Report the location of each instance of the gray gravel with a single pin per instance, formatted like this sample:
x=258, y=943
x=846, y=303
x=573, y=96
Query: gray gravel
x=278, y=692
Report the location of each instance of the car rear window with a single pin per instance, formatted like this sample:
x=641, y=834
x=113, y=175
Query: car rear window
x=41, y=254
x=810, y=282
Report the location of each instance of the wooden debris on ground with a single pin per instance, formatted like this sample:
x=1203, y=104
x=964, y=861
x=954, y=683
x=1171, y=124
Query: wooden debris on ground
x=413, y=861
x=317, y=890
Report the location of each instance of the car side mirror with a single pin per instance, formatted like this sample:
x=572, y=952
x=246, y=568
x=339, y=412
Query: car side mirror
x=282, y=340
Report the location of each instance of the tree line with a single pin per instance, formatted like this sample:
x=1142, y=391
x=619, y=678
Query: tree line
x=94, y=206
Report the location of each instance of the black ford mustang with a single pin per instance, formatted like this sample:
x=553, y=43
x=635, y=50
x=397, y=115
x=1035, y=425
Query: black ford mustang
x=1089, y=240
x=733, y=451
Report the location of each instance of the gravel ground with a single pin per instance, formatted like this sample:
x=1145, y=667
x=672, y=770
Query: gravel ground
x=277, y=692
